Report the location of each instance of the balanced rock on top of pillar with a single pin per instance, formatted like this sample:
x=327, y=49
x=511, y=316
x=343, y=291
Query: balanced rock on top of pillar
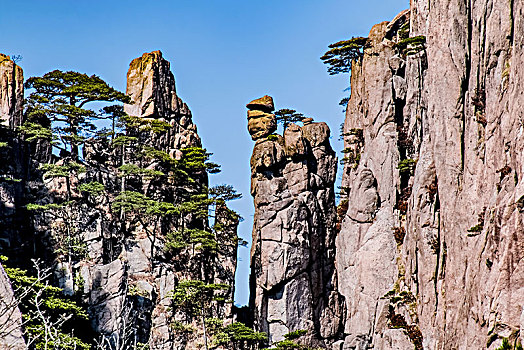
x=261, y=122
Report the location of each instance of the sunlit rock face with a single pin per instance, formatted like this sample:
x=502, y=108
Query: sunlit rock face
x=261, y=122
x=292, y=257
x=11, y=92
x=430, y=250
x=151, y=86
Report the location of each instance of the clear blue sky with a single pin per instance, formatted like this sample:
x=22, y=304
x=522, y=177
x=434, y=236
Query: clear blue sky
x=223, y=54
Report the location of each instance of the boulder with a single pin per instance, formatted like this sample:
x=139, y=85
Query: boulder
x=264, y=104
x=261, y=124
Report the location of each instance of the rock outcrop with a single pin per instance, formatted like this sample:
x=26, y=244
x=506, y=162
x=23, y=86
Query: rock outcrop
x=261, y=122
x=10, y=317
x=11, y=92
x=293, y=285
x=116, y=261
x=430, y=250
x=151, y=86
x=11, y=157
x=11, y=97
x=133, y=287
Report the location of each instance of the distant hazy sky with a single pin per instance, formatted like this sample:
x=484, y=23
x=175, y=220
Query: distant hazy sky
x=223, y=54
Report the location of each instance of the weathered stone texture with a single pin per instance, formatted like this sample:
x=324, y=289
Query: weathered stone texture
x=293, y=284
x=435, y=244
x=151, y=86
x=11, y=92
x=10, y=316
x=125, y=277
x=261, y=122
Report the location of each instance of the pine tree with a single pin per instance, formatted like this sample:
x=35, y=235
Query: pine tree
x=49, y=317
x=61, y=98
x=287, y=116
x=340, y=55
x=195, y=299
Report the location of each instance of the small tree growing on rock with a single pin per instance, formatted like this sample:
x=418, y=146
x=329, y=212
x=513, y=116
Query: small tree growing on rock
x=341, y=54
x=287, y=116
x=195, y=299
x=61, y=98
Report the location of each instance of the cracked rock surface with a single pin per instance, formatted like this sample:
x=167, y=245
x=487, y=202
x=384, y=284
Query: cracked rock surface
x=292, y=266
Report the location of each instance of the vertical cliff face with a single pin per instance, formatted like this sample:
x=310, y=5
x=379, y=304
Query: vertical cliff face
x=430, y=250
x=11, y=162
x=11, y=97
x=12, y=92
x=292, y=257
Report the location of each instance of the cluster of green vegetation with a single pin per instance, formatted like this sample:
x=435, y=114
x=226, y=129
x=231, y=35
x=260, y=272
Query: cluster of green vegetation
x=48, y=317
x=196, y=300
x=287, y=116
x=57, y=114
x=477, y=229
x=407, y=166
x=272, y=137
x=59, y=100
x=411, y=46
x=506, y=345
x=351, y=157
x=341, y=54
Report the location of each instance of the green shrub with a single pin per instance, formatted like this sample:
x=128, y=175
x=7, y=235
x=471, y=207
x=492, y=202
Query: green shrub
x=411, y=46
x=407, y=166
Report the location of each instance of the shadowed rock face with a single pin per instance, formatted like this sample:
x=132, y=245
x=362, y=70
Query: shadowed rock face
x=430, y=251
x=11, y=97
x=293, y=284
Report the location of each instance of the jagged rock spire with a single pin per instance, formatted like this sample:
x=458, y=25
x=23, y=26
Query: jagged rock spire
x=11, y=92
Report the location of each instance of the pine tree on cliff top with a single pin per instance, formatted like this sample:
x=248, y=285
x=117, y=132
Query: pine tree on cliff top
x=287, y=116
x=341, y=54
x=61, y=97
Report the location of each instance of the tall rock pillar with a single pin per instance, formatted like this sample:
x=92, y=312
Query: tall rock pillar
x=12, y=163
x=292, y=257
x=11, y=98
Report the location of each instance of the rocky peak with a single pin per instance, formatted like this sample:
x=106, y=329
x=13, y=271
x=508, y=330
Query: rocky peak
x=11, y=92
x=119, y=267
x=151, y=87
x=264, y=104
x=293, y=280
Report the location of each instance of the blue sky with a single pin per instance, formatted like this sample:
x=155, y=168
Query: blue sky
x=223, y=54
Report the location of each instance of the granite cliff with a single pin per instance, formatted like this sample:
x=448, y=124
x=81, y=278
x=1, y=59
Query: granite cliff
x=293, y=284
x=123, y=263
x=424, y=249
x=438, y=264
x=428, y=252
